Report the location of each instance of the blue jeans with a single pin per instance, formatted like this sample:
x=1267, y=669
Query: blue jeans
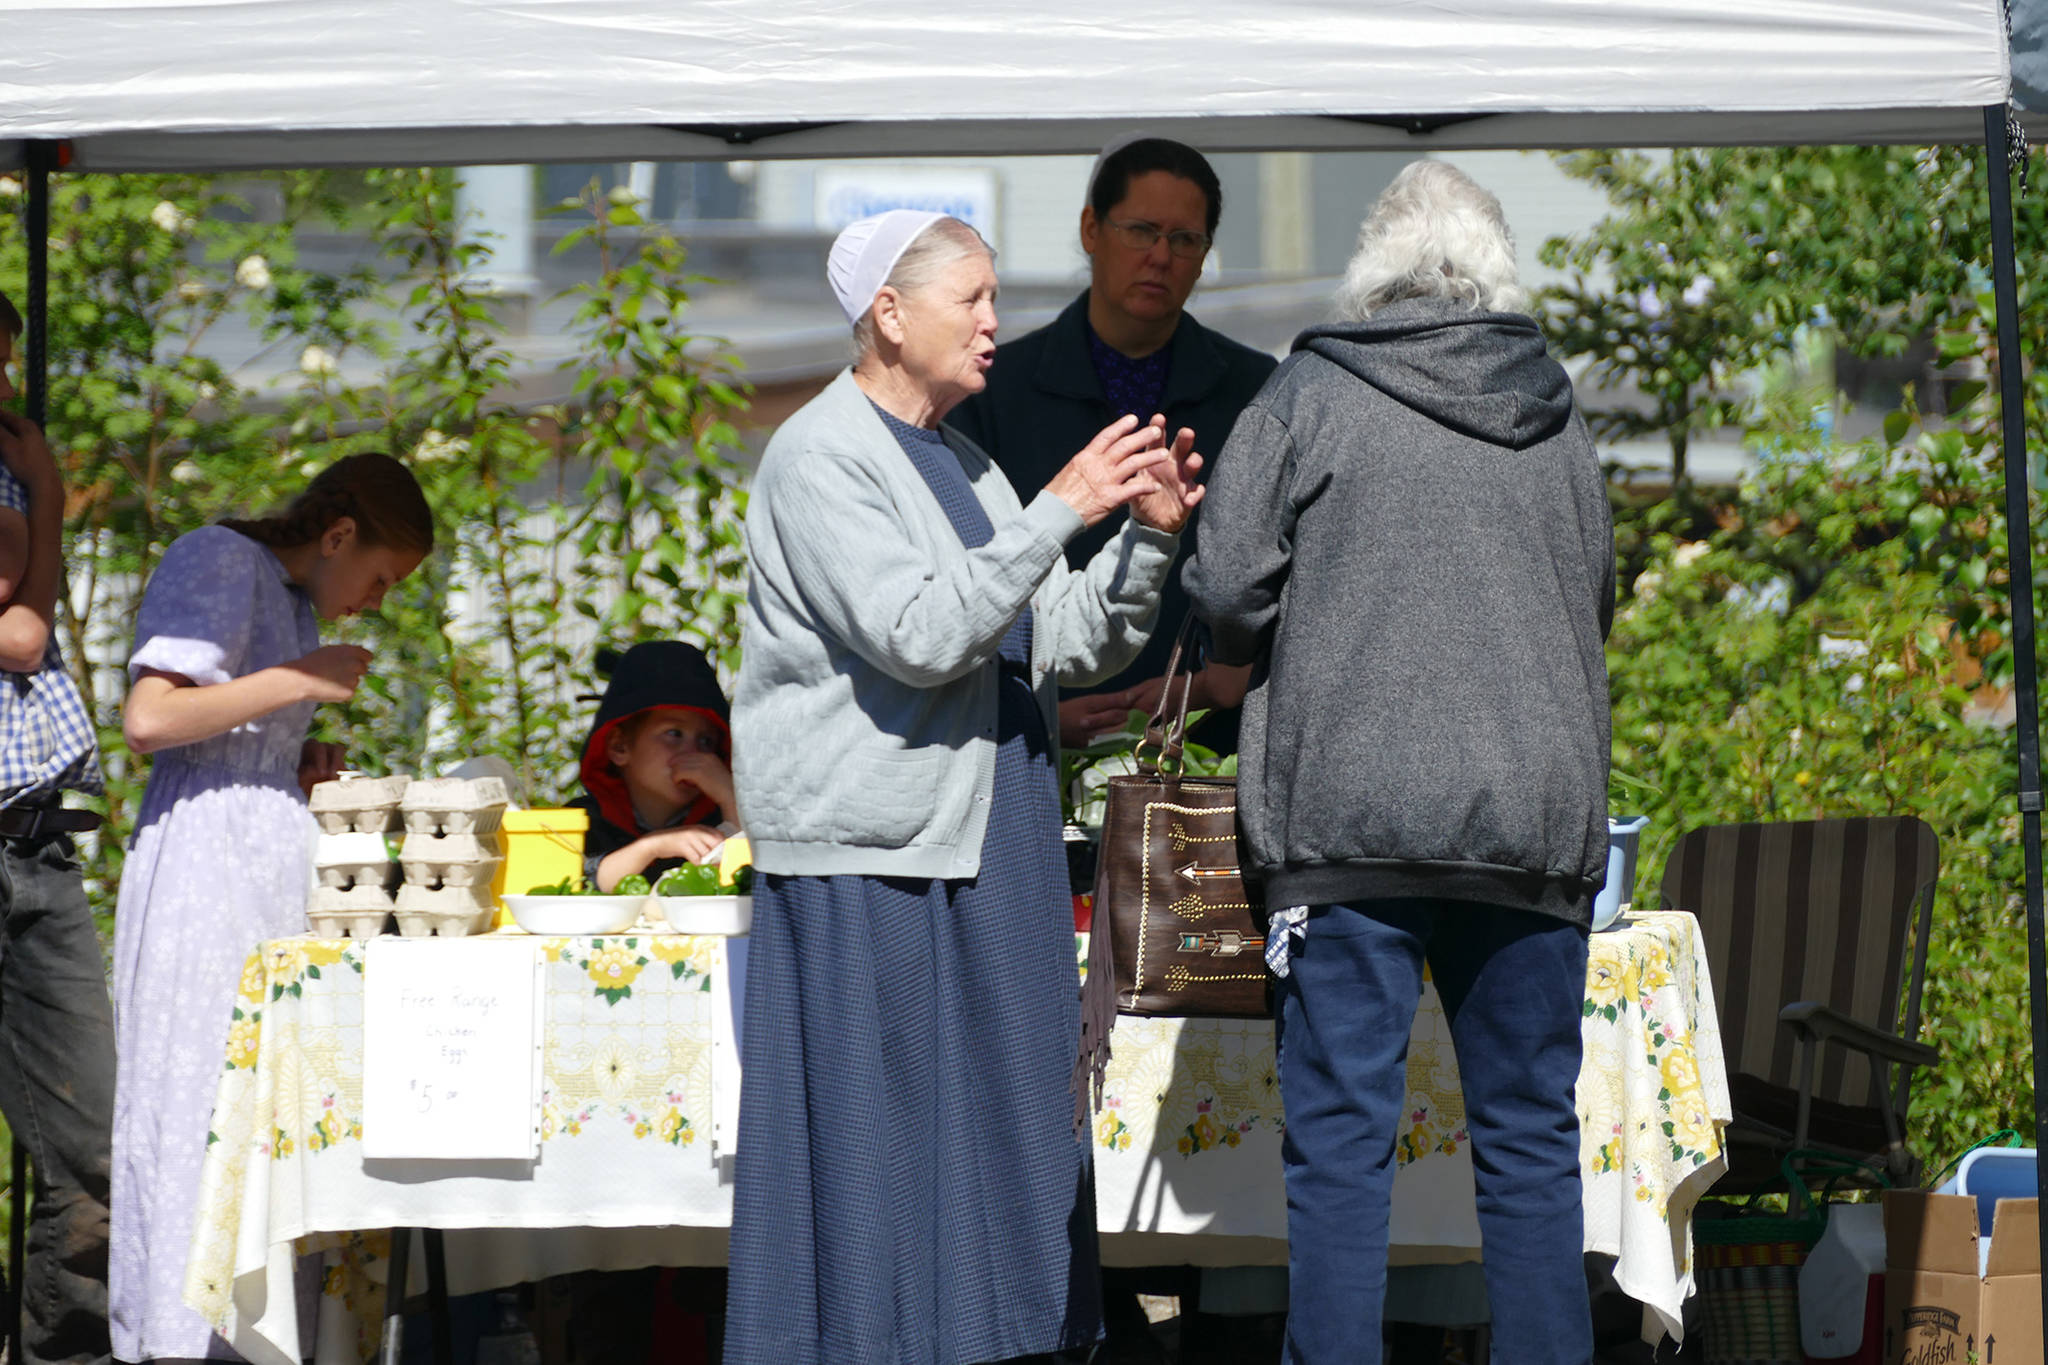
x=57, y=1092
x=1512, y=984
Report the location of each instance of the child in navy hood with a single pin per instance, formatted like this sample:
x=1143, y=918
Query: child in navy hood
x=657, y=766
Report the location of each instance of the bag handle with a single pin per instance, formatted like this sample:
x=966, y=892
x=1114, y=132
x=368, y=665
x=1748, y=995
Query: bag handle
x=1801, y=1196
x=2009, y=1136
x=1834, y=1167
x=1167, y=739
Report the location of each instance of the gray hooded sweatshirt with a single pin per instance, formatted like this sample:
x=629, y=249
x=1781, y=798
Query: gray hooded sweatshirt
x=1408, y=535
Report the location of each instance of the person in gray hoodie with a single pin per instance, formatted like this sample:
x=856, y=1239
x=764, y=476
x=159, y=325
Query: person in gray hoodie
x=1408, y=537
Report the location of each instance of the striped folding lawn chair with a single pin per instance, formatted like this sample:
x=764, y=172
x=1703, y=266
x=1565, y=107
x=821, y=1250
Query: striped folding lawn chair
x=1809, y=926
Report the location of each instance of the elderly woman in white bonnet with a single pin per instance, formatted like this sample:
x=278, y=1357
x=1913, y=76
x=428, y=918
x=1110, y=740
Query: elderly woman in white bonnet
x=910, y=1187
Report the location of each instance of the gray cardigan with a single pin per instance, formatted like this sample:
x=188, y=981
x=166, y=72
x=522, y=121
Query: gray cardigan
x=864, y=722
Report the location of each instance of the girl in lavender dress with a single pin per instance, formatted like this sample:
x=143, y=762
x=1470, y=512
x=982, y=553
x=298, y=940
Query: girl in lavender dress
x=227, y=670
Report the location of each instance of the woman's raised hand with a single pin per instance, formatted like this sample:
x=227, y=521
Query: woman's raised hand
x=1166, y=508
x=333, y=672
x=1115, y=468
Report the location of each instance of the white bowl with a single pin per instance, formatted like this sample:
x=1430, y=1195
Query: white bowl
x=570, y=916
x=729, y=915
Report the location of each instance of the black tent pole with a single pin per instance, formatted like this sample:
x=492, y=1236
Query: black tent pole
x=2020, y=570
x=35, y=360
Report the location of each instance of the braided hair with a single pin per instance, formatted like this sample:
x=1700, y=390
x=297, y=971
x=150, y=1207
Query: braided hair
x=375, y=491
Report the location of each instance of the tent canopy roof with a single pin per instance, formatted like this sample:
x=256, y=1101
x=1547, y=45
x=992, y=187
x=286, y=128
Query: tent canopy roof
x=225, y=84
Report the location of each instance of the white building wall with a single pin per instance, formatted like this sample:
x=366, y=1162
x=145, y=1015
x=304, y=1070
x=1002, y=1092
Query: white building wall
x=1042, y=198
x=1037, y=203
x=1540, y=201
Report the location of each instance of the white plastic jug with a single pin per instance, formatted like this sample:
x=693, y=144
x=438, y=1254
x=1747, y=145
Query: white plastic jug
x=1842, y=1272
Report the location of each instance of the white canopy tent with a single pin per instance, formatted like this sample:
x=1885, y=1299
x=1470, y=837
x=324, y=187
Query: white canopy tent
x=218, y=85
x=136, y=85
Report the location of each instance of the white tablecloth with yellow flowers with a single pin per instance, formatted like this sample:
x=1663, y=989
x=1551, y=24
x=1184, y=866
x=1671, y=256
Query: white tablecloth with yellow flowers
x=625, y=1116
x=1187, y=1146
x=1189, y=1136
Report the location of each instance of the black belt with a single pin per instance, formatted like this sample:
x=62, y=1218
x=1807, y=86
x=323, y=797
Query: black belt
x=33, y=822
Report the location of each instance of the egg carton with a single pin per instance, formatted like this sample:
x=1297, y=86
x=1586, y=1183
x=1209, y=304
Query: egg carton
x=358, y=912
x=455, y=805
x=442, y=860
x=362, y=805
x=341, y=861
x=448, y=911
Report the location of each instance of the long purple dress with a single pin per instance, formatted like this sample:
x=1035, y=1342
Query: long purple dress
x=220, y=861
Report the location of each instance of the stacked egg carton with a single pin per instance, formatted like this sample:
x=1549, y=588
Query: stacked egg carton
x=450, y=855
x=354, y=865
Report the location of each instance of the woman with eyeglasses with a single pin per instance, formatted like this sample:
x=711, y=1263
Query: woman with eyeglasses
x=1126, y=346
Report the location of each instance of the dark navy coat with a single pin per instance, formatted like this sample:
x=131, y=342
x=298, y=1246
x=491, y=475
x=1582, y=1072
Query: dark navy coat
x=1044, y=403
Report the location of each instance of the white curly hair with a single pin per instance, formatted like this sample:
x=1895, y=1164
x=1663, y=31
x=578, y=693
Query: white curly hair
x=1434, y=233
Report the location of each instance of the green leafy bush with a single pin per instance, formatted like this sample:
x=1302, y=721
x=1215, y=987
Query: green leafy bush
x=1834, y=648
x=1833, y=638
x=609, y=518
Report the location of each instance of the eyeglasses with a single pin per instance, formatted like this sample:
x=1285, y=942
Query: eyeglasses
x=1141, y=236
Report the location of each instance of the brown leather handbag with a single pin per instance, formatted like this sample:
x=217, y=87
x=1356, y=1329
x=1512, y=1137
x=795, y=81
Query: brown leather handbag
x=1176, y=931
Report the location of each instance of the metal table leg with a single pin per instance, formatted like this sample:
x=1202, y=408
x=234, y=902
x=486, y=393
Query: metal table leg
x=437, y=1297
x=394, y=1297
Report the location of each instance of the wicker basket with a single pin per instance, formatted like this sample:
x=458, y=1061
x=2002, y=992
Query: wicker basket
x=1748, y=1265
x=1749, y=1286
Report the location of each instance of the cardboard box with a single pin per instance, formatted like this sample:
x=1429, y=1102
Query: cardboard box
x=2011, y=1306
x=1939, y=1309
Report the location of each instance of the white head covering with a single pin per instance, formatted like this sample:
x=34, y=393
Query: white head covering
x=865, y=252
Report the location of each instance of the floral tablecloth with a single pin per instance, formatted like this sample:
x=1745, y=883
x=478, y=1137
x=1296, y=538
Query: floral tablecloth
x=1187, y=1147
x=1189, y=1137
x=626, y=1110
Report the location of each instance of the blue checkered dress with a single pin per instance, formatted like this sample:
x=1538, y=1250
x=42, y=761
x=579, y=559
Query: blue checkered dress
x=910, y=1191
x=47, y=742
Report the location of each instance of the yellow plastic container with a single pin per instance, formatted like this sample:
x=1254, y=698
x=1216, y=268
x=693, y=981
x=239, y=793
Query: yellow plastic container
x=734, y=854
x=541, y=848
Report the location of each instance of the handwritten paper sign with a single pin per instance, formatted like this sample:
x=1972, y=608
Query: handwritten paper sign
x=451, y=1049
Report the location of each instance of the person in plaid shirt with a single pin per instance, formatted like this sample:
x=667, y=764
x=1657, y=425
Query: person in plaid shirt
x=56, y=1023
